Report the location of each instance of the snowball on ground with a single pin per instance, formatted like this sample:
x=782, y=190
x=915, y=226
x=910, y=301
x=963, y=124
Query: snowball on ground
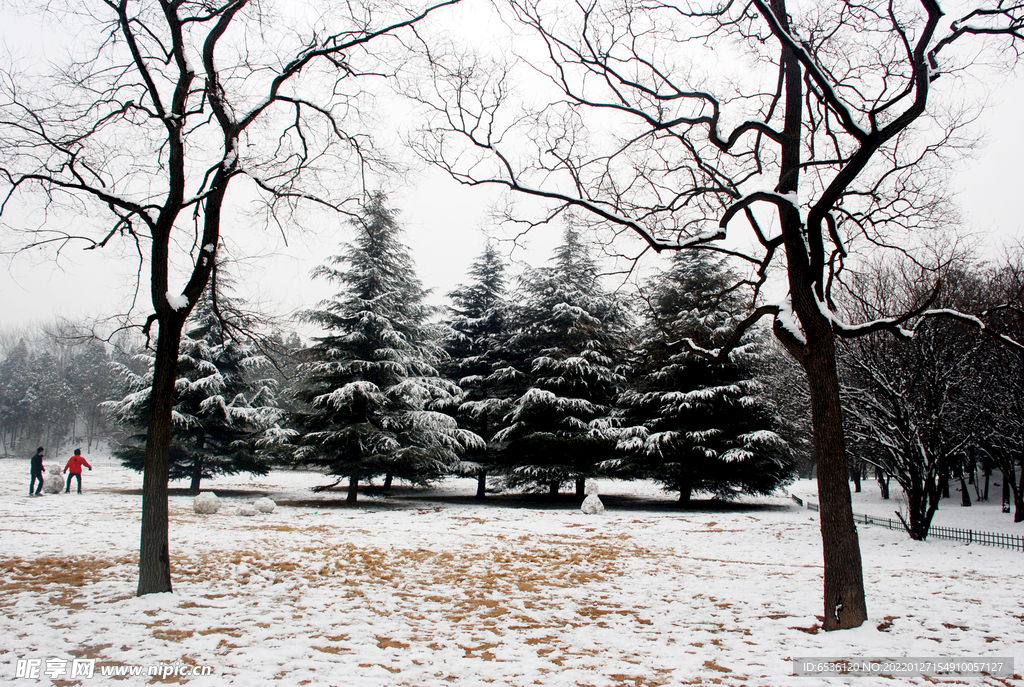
x=206, y=503
x=53, y=483
x=247, y=510
x=592, y=505
x=264, y=505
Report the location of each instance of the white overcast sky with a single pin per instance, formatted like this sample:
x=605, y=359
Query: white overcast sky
x=443, y=222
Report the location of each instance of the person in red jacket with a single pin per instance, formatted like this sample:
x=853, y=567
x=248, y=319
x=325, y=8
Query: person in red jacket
x=74, y=469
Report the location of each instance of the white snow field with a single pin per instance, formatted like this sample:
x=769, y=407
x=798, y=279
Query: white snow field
x=431, y=588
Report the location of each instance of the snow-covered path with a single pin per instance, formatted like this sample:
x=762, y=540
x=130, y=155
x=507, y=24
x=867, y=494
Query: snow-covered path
x=436, y=590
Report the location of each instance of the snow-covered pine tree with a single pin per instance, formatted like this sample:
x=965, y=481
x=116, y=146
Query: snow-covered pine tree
x=568, y=345
x=225, y=409
x=691, y=424
x=478, y=327
x=369, y=386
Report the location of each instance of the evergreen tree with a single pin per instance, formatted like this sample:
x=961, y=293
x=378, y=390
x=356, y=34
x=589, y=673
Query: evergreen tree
x=369, y=387
x=478, y=327
x=225, y=410
x=568, y=346
x=689, y=423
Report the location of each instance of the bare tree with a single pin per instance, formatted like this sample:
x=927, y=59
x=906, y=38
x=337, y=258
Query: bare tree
x=1003, y=372
x=178, y=100
x=913, y=407
x=808, y=126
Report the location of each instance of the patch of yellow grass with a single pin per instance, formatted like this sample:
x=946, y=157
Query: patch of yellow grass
x=37, y=574
x=172, y=635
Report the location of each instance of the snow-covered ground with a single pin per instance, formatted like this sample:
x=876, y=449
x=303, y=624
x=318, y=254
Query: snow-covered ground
x=430, y=588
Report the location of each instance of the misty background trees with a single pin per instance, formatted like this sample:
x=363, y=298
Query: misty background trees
x=52, y=391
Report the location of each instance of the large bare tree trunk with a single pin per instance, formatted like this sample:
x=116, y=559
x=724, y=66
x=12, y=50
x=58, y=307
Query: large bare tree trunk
x=154, y=552
x=845, y=606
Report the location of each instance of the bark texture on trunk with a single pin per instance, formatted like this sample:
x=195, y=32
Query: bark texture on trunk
x=481, y=486
x=353, y=489
x=845, y=606
x=154, y=550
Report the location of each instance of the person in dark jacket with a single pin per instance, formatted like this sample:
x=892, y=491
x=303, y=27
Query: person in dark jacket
x=74, y=469
x=37, y=473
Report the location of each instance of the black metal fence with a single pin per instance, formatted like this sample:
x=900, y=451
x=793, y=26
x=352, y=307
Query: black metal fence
x=1006, y=541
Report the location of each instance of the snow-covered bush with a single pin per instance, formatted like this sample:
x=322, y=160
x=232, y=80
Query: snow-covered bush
x=264, y=505
x=206, y=503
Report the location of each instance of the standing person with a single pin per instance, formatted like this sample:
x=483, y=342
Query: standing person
x=37, y=473
x=74, y=469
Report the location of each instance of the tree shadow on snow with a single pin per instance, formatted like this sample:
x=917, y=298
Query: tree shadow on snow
x=221, y=493
x=406, y=497
x=412, y=497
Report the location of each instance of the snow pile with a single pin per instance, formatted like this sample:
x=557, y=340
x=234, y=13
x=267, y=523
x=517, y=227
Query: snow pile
x=206, y=503
x=264, y=505
x=247, y=509
x=178, y=302
x=592, y=504
x=53, y=483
